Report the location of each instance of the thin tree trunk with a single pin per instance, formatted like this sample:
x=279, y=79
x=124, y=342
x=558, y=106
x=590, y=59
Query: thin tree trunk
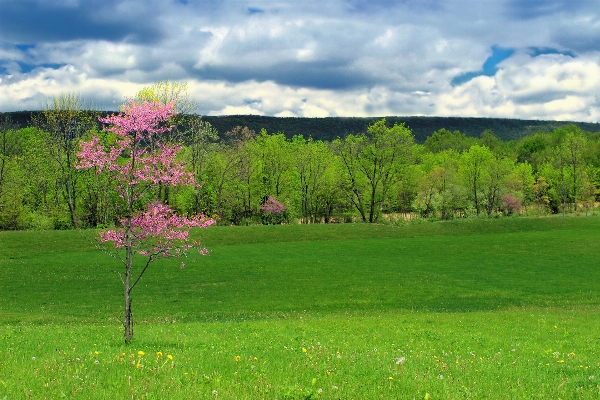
x=127, y=321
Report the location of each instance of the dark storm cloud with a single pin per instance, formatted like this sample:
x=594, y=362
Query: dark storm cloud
x=29, y=21
x=310, y=75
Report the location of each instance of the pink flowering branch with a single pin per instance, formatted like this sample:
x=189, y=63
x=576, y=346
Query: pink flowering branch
x=135, y=131
x=158, y=231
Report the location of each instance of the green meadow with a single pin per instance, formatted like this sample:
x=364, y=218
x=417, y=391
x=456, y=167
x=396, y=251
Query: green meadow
x=482, y=308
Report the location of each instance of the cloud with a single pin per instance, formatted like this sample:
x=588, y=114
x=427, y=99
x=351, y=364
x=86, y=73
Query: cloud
x=32, y=21
x=336, y=58
x=551, y=86
x=530, y=9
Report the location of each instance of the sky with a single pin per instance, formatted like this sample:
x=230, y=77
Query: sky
x=526, y=59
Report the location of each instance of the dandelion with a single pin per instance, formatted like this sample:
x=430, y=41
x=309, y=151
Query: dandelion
x=141, y=353
x=304, y=350
x=159, y=354
x=390, y=378
x=237, y=358
x=170, y=357
x=561, y=361
x=400, y=361
x=96, y=352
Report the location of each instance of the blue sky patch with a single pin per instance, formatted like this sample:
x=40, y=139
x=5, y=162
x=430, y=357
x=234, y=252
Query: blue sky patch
x=489, y=68
x=25, y=47
x=25, y=68
x=539, y=51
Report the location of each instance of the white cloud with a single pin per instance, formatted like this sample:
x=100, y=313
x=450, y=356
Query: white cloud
x=334, y=58
x=544, y=87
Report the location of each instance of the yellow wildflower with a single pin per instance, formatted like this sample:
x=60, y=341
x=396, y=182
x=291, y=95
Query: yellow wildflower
x=170, y=357
x=141, y=353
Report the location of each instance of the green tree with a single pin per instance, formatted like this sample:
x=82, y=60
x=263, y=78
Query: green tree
x=439, y=190
x=164, y=92
x=573, y=147
x=201, y=141
x=311, y=162
x=10, y=146
x=443, y=139
x=473, y=168
x=274, y=152
x=374, y=162
x=540, y=193
x=520, y=181
x=493, y=180
x=67, y=118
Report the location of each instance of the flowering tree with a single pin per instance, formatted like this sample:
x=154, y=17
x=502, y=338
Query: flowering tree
x=138, y=161
x=273, y=210
x=510, y=204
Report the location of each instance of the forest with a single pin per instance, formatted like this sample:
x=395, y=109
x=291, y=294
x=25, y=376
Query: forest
x=248, y=175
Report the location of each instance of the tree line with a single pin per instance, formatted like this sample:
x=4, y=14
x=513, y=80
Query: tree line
x=249, y=177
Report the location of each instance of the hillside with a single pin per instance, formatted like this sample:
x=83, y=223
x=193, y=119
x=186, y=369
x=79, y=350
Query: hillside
x=332, y=127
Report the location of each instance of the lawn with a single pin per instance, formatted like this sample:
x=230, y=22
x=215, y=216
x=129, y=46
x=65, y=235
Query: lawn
x=502, y=308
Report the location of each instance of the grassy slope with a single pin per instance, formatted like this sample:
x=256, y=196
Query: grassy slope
x=319, y=307
x=456, y=266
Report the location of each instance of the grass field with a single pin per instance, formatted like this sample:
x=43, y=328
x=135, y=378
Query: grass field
x=503, y=308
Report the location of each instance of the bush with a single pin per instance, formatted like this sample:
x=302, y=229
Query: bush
x=510, y=204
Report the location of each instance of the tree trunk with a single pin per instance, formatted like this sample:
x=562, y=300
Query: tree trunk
x=127, y=320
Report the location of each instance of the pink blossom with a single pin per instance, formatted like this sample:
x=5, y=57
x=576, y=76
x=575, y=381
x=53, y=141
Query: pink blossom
x=157, y=231
x=135, y=130
x=273, y=206
x=510, y=204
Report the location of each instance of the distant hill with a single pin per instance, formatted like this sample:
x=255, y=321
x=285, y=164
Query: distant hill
x=422, y=127
x=332, y=127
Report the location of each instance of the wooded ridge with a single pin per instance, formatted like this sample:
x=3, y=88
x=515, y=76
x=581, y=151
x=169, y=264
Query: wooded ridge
x=329, y=128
